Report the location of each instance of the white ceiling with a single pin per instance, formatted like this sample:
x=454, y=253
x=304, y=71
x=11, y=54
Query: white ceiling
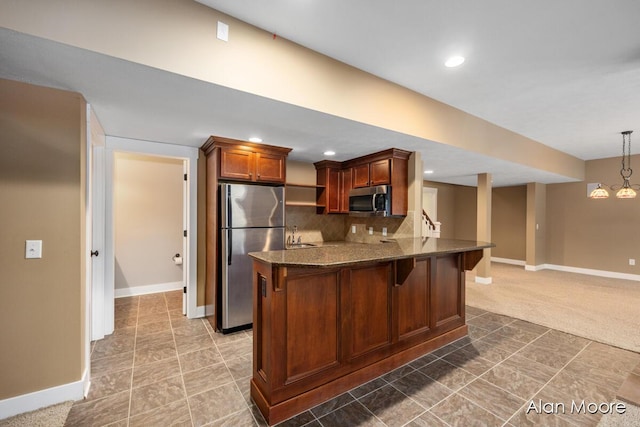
x=566, y=74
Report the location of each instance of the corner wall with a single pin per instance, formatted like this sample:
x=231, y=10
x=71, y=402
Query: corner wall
x=593, y=234
x=42, y=135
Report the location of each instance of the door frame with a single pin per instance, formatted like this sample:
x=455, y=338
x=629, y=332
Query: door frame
x=190, y=156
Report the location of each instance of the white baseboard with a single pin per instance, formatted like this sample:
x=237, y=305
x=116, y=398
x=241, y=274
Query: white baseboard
x=148, y=289
x=43, y=398
x=588, y=271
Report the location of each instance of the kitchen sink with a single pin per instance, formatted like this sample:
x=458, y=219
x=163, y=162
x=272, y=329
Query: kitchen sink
x=301, y=246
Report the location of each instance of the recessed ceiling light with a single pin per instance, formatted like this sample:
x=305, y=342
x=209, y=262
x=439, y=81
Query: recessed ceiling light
x=329, y=153
x=428, y=171
x=255, y=139
x=454, y=61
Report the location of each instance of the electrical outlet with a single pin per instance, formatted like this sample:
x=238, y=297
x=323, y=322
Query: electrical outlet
x=384, y=231
x=370, y=230
x=632, y=261
x=353, y=229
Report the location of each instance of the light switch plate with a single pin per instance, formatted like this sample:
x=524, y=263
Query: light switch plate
x=33, y=249
x=384, y=231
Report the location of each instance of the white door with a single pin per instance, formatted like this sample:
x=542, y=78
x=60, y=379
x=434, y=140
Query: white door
x=185, y=240
x=95, y=225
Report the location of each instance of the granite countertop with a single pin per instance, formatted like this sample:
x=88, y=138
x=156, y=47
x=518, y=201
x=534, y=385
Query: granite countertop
x=335, y=254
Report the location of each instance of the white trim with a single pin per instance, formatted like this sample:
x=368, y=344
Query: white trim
x=43, y=398
x=201, y=310
x=508, y=261
x=588, y=271
x=484, y=280
x=148, y=289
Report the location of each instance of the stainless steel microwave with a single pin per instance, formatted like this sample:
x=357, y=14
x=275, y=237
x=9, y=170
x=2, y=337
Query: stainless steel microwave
x=370, y=201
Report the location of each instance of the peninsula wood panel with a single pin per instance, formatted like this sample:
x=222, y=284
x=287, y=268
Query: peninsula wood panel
x=309, y=328
x=447, y=291
x=413, y=301
x=369, y=308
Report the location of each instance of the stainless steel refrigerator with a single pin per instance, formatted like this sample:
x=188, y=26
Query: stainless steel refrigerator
x=251, y=220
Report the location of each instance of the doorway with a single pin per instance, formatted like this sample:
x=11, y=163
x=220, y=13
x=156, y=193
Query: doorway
x=148, y=224
x=103, y=296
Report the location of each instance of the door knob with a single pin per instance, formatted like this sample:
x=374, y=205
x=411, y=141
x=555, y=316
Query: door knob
x=95, y=253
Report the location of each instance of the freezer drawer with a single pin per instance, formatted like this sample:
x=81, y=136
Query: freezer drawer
x=237, y=271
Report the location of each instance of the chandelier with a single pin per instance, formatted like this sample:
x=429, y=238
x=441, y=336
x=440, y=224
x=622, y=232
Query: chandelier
x=626, y=190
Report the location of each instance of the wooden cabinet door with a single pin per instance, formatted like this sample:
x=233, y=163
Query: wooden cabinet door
x=270, y=168
x=346, y=184
x=368, y=309
x=309, y=328
x=237, y=164
x=412, y=301
x=380, y=172
x=333, y=191
x=361, y=176
x=447, y=291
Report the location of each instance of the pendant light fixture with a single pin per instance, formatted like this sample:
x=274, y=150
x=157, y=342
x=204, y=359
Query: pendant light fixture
x=626, y=190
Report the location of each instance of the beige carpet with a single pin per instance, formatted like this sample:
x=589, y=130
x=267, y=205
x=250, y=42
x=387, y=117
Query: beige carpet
x=51, y=416
x=597, y=308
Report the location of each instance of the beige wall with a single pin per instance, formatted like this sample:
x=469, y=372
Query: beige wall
x=147, y=197
x=508, y=222
x=256, y=63
x=595, y=234
x=42, y=198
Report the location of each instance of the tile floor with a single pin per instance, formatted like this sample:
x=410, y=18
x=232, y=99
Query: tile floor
x=159, y=368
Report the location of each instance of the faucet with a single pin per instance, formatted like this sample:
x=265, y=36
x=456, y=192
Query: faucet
x=293, y=235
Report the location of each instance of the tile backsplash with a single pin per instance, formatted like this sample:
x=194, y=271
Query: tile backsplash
x=325, y=228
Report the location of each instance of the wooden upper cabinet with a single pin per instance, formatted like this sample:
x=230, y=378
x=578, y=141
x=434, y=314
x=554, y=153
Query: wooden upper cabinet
x=247, y=161
x=328, y=181
x=388, y=167
x=361, y=176
x=270, y=167
x=370, y=174
x=346, y=184
x=236, y=164
x=380, y=172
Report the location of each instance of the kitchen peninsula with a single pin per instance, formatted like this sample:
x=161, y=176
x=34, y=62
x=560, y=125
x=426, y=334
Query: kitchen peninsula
x=329, y=318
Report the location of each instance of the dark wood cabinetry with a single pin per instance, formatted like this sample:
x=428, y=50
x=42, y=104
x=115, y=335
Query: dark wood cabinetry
x=346, y=184
x=388, y=167
x=230, y=160
x=328, y=181
x=246, y=161
x=321, y=331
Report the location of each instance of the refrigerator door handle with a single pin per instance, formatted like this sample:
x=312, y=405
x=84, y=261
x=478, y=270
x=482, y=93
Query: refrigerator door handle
x=229, y=211
x=229, y=245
